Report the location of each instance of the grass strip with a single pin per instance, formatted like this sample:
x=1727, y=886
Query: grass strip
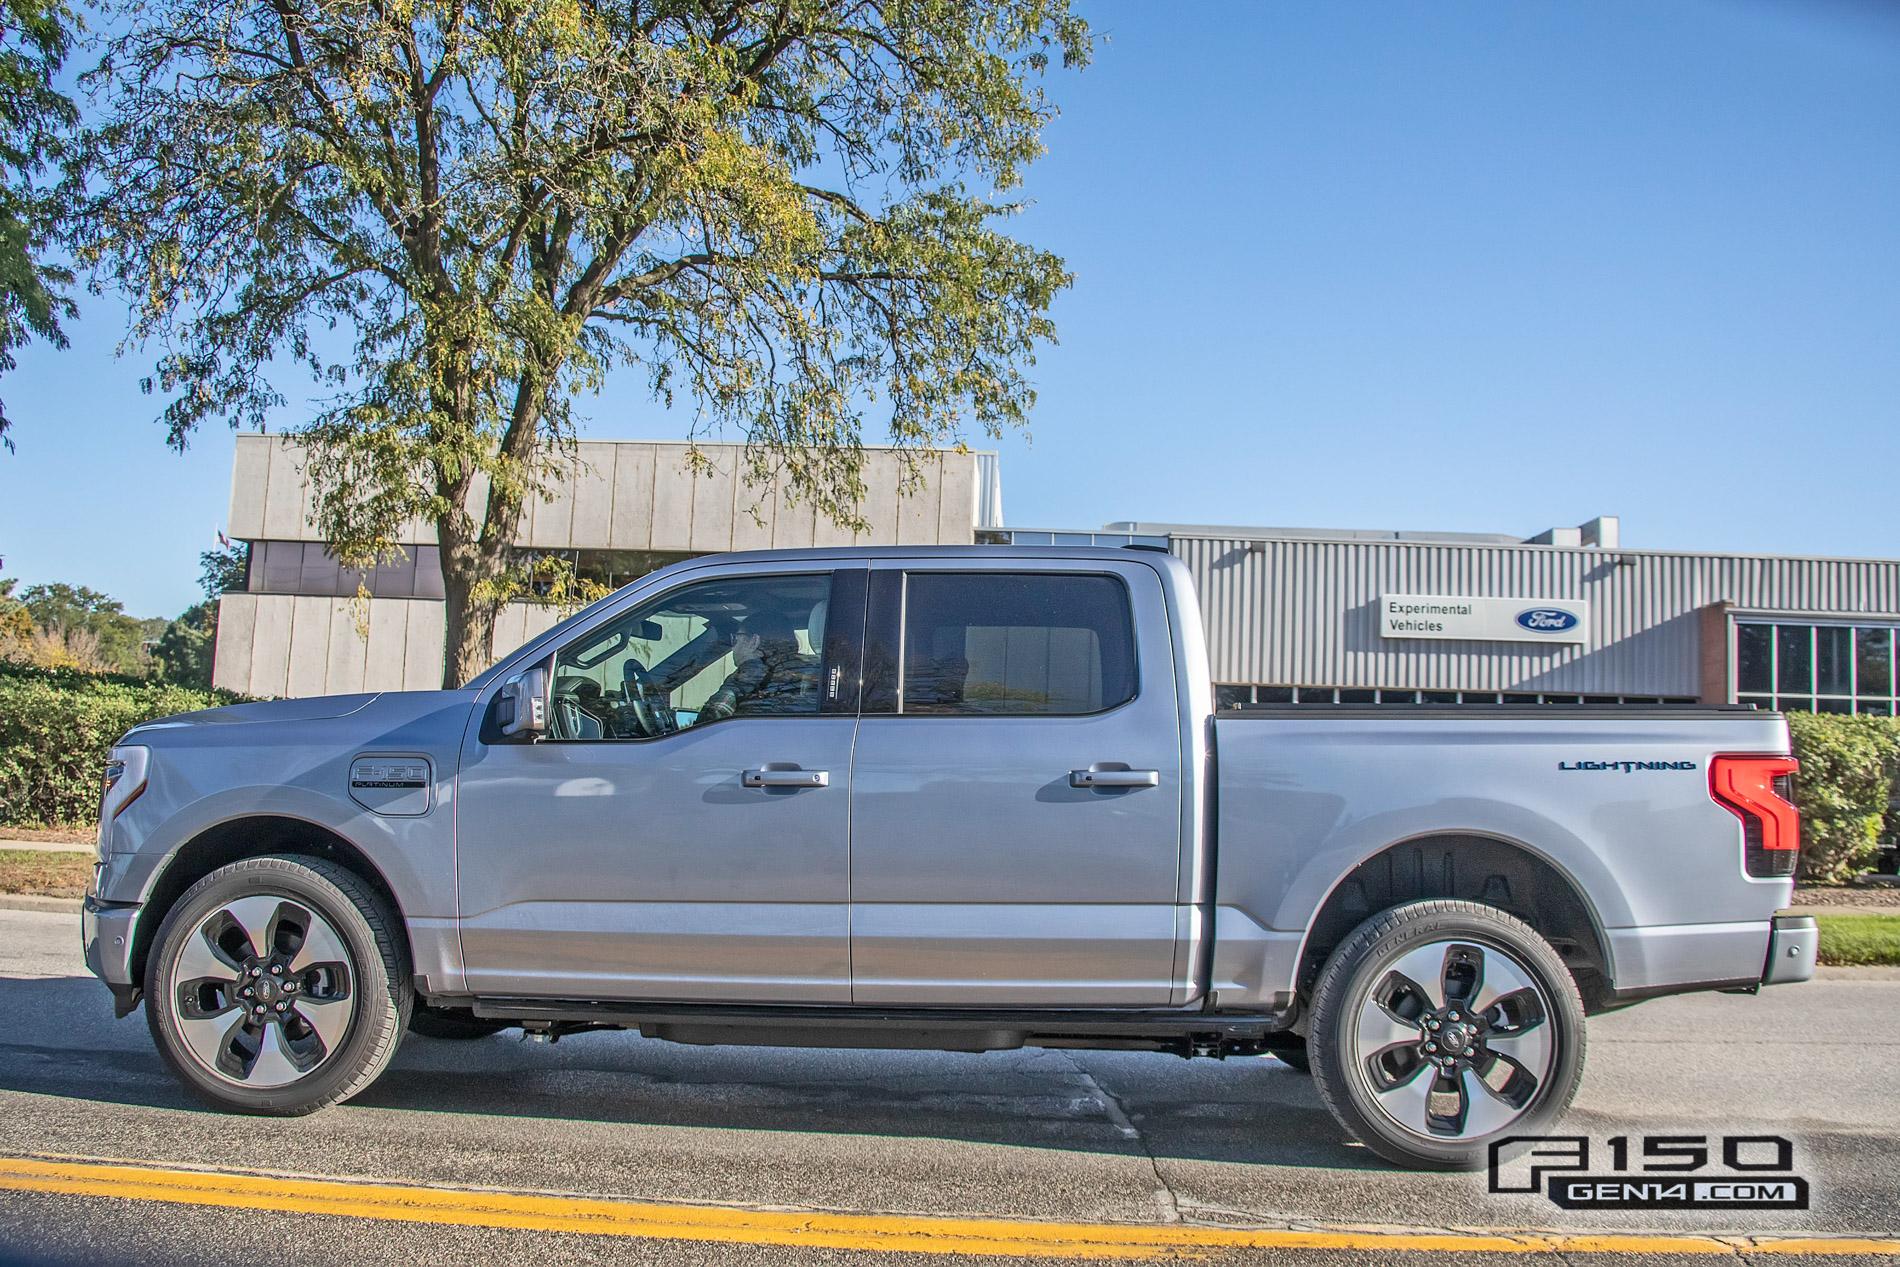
x=1859, y=938
x=43, y=873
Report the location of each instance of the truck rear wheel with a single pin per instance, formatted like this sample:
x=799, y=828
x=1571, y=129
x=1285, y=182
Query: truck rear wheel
x=278, y=985
x=1440, y=1026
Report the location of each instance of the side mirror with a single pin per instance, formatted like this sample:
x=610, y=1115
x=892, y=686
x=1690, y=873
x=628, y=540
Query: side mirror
x=524, y=705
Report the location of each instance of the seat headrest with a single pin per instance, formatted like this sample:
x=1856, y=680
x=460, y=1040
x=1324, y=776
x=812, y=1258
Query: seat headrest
x=815, y=624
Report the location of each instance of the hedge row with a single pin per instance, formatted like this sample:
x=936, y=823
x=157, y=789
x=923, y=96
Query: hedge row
x=56, y=727
x=1848, y=767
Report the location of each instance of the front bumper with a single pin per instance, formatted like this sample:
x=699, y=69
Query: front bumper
x=1793, y=944
x=105, y=929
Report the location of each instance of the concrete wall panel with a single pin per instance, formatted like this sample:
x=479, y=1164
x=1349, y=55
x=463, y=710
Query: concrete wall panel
x=592, y=526
x=388, y=642
x=714, y=493
x=917, y=510
x=237, y=632
x=250, y=479
x=883, y=468
x=673, y=490
x=309, y=645
x=632, y=524
x=349, y=650
x=956, y=500
x=286, y=494
x=754, y=515
x=270, y=646
x=423, y=653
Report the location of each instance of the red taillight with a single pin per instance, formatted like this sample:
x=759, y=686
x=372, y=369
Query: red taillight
x=1757, y=790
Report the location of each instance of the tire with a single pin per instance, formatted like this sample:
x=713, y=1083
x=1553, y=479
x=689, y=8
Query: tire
x=1295, y=1058
x=331, y=1018
x=1411, y=1068
x=450, y=1025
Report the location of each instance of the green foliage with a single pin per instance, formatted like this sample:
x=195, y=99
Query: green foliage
x=784, y=213
x=34, y=38
x=184, y=651
x=91, y=627
x=1848, y=767
x=223, y=570
x=16, y=625
x=56, y=728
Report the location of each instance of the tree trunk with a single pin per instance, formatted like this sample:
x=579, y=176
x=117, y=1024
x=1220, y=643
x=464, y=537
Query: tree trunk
x=468, y=627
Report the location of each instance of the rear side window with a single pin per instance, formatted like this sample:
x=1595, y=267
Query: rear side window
x=1020, y=644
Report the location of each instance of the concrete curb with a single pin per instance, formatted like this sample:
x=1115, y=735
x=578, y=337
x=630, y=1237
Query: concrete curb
x=50, y=846
x=1857, y=972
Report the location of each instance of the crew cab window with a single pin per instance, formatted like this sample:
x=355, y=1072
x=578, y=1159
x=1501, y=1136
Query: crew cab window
x=743, y=646
x=1023, y=644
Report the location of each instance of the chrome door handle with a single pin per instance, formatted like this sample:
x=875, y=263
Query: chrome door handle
x=1114, y=778
x=786, y=778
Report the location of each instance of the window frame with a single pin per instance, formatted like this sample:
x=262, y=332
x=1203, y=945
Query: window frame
x=1812, y=698
x=887, y=624
x=844, y=637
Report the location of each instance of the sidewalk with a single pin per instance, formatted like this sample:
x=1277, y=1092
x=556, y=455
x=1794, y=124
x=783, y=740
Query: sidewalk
x=51, y=846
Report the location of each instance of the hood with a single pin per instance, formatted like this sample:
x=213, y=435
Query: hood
x=314, y=708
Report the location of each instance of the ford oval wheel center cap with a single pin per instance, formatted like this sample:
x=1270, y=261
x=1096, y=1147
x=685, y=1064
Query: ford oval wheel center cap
x=1451, y=1037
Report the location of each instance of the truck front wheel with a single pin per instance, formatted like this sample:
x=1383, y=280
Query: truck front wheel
x=278, y=985
x=1440, y=1026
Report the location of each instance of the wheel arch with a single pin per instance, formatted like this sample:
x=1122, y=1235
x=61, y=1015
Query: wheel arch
x=251, y=836
x=1469, y=866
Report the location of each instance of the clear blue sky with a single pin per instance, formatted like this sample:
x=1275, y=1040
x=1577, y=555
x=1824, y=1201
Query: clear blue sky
x=1475, y=267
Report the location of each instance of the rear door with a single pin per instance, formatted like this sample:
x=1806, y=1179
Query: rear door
x=1016, y=790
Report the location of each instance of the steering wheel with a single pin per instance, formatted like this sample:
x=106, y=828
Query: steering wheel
x=651, y=710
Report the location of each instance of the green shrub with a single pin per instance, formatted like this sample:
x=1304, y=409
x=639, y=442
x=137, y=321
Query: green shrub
x=56, y=727
x=1847, y=778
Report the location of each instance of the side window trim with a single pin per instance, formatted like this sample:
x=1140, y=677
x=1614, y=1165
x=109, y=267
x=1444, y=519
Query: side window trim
x=841, y=663
x=885, y=632
x=884, y=641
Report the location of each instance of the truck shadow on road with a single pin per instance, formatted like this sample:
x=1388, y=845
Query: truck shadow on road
x=1252, y=1111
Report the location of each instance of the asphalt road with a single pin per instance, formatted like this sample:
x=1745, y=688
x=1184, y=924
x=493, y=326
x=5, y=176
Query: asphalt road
x=1076, y=1137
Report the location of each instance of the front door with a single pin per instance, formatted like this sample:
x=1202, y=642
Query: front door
x=1016, y=797
x=682, y=832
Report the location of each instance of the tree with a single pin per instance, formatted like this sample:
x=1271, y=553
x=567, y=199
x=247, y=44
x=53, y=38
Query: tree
x=783, y=213
x=92, y=627
x=186, y=650
x=16, y=625
x=34, y=38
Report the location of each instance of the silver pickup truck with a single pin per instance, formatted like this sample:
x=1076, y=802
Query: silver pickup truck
x=967, y=799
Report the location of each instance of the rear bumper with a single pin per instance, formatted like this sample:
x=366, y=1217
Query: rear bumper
x=1794, y=941
x=1678, y=958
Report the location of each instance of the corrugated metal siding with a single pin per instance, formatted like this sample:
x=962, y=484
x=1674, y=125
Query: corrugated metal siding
x=1304, y=612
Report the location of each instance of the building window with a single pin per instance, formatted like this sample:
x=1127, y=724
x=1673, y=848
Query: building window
x=1806, y=666
x=1239, y=696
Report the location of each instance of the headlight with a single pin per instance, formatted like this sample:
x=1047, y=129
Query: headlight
x=124, y=781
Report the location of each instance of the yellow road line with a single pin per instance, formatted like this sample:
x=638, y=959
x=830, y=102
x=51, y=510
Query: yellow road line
x=415, y=1203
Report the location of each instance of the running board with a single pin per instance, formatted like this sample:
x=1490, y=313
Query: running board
x=939, y=1029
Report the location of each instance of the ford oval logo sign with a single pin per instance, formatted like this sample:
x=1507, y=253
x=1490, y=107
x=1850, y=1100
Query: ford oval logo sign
x=1547, y=619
